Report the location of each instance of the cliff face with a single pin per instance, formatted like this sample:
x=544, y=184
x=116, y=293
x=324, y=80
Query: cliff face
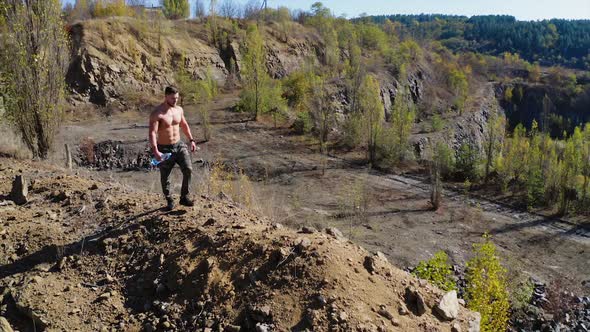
x=112, y=58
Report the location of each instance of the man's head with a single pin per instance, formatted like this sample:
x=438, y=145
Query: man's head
x=171, y=96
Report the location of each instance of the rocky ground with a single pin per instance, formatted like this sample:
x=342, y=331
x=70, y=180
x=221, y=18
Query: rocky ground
x=83, y=254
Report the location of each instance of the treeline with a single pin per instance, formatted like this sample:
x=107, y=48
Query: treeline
x=548, y=172
x=551, y=42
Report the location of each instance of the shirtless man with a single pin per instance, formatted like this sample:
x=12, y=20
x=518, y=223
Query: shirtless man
x=165, y=124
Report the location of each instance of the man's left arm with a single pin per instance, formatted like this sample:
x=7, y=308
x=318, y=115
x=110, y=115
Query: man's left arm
x=187, y=131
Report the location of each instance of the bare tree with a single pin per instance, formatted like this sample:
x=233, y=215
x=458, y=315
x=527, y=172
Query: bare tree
x=35, y=58
x=321, y=111
x=252, y=9
x=199, y=9
x=229, y=9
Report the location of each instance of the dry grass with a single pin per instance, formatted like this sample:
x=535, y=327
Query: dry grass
x=11, y=145
x=217, y=180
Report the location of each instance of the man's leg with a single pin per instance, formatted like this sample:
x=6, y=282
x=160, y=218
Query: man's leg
x=184, y=161
x=165, y=170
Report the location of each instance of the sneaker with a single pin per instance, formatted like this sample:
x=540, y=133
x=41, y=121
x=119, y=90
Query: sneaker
x=169, y=204
x=186, y=201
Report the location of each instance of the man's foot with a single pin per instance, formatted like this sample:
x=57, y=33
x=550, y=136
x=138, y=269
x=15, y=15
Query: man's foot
x=169, y=204
x=186, y=201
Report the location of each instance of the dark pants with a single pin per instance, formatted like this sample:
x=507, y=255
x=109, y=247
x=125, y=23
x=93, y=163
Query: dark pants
x=180, y=155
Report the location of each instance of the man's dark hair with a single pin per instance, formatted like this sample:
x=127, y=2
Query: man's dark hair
x=170, y=90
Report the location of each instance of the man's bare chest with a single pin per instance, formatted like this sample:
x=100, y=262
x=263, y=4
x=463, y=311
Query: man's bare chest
x=169, y=120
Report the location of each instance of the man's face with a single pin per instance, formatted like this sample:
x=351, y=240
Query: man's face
x=172, y=99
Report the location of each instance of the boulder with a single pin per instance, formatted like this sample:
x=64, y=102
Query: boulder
x=448, y=306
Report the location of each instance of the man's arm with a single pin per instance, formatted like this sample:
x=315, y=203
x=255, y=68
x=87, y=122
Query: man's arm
x=187, y=130
x=153, y=135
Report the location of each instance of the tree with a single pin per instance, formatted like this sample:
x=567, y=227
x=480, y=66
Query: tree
x=354, y=73
x=402, y=121
x=80, y=11
x=320, y=109
x=200, y=9
x=458, y=82
x=204, y=93
x=493, y=140
x=261, y=94
x=487, y=287
x=229, y=9
x=176, y=9
x=440, y=162
x=105, y=8
x=252, y=9
x=253, y=71
x=35, y=59
x=466, y=161
x=534, y=72
x=372, y=108
x=585, y=160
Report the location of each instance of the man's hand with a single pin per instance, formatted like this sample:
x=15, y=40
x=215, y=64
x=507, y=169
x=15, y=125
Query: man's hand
x=158, y=155
x=193, y=146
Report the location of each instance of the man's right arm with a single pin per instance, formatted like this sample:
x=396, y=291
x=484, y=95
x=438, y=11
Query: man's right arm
x=153, y=135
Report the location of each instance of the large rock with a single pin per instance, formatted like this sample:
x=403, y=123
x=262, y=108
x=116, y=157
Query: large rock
x=448, y=306
x=19, y=191
x=4, y=325
x=415, y=301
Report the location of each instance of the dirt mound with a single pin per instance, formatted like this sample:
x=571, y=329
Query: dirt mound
x=94, y=256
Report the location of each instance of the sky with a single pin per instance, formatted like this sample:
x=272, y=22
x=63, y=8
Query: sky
x=521, y=9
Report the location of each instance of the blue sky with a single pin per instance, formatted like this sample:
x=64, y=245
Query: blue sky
x=521, y=9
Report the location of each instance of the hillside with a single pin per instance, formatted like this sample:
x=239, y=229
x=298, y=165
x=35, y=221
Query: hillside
x=551, y=42
x=86, y=254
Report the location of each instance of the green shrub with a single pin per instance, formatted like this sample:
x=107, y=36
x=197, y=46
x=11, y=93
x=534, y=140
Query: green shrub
x=437, y=123
x=487, y=287
x=303, y=123
x=437, y=270
x=521, y=294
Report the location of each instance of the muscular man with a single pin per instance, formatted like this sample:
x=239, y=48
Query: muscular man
x=165, y=124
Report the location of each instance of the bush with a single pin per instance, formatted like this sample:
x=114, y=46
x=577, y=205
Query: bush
x=521, y=294
x=352, y=130
x=303, y=123
x=487, y=287
x=437, y=270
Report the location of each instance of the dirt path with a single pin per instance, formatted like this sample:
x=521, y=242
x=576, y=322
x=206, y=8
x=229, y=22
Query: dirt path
x=382, y=212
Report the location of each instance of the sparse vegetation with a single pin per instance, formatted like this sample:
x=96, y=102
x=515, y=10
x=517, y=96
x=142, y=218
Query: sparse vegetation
x=437, y=270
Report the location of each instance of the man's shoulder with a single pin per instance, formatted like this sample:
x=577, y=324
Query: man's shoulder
x=156, y=112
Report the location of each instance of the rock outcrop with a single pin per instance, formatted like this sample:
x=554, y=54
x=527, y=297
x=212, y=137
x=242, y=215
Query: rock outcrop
x=116, y=58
